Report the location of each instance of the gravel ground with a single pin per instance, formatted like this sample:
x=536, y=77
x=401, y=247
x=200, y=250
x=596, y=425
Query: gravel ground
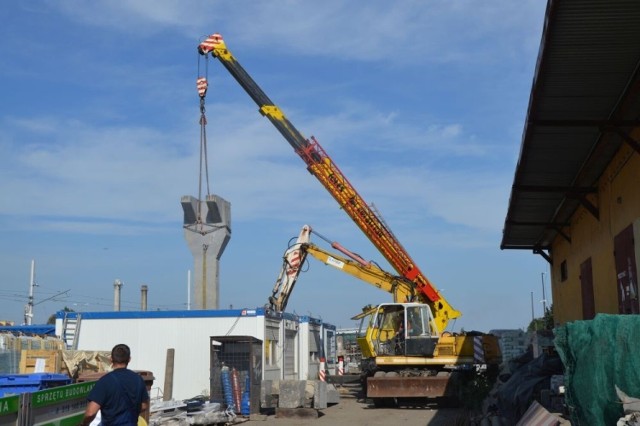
x=355, y=411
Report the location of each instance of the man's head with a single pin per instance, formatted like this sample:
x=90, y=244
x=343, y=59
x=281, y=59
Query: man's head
x=120, y=354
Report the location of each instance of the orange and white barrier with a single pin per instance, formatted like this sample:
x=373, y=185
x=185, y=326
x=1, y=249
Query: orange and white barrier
x=321, y=372
x=340, y=365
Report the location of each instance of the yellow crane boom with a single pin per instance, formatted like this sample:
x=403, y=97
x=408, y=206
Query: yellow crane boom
x=325, y=170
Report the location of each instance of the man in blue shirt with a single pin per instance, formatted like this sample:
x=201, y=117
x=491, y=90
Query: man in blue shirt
x=120, y=395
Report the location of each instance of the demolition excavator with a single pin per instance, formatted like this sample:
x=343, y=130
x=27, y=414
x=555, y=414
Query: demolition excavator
x=404, y=354
x=408, y=349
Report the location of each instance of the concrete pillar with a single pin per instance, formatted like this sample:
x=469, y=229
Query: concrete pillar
x=207, y=229
x=167, y=394
x=117, y=288
x=143, y=297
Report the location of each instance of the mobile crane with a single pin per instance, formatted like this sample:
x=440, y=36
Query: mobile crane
x=458, y=349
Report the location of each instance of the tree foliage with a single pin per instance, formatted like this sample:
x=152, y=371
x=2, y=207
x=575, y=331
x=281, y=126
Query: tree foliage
x=52, y=317
x=544, y=323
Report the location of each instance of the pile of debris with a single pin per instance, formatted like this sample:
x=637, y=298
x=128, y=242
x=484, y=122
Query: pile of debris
x=588, y=375
x=528, y=388
x=287, y=398
x=631, y=407
x=196, y=411
x=297, y=398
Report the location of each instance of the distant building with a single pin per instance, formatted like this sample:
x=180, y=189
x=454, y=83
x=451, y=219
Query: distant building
x=513, y=343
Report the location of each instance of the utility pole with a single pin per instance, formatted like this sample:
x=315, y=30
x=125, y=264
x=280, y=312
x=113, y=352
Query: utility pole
x=532, y=315
x=28, y=309
x=544, y=298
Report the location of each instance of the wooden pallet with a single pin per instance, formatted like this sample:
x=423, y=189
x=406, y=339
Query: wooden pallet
x=29, y=360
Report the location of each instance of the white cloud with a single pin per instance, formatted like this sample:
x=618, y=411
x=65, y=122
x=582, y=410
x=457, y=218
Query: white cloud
x=401, y=32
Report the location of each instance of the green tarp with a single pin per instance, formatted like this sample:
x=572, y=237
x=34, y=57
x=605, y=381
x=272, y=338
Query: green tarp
x=598, y=355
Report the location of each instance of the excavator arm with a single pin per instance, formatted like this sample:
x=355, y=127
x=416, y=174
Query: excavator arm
x=324, y=169
x=399, y=287
x=292, y=261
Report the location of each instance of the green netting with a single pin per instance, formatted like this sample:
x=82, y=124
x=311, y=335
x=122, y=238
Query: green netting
x=598, y=355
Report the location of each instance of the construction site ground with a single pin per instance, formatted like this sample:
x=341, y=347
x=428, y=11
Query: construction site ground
x=354, y=410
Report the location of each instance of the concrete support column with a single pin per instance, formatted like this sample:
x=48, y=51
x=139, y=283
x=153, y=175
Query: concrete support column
x=207, y=229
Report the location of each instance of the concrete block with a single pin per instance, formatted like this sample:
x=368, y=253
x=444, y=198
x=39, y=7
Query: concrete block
x=310, y=389
x=333, y=396
x=267, y=397
x=320, y=395
x=189, y=207
x=219, y=210
x=292, y=394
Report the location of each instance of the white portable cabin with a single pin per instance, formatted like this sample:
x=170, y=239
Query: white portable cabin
x=150, y=334
x=311, y=349
x=281, y=343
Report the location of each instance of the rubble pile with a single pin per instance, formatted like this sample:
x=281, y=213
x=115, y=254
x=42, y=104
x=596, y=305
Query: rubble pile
x=526, y=386
x=288, y=398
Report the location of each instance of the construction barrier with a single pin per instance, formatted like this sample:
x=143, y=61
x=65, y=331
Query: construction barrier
x=321, y=372
x=340, y=365
x=478, y=350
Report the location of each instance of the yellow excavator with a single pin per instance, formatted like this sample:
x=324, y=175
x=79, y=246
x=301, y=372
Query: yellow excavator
x=404, y=353
x=419, y=364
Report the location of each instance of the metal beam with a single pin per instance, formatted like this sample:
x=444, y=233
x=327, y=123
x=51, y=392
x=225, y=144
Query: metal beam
x=633, y=143
x=543, y=254
x=551, y=225
x=585, y=123
x=556, y=188
x=565, y=236
x=591, y=208
x=578, y=193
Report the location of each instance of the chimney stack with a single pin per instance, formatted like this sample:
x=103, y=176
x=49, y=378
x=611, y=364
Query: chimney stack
x=117, y=286
x=143, y=297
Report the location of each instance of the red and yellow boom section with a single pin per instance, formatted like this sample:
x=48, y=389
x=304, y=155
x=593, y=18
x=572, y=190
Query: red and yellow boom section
x=320, y=165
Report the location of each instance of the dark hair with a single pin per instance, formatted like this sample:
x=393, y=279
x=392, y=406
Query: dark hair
x=121, y=354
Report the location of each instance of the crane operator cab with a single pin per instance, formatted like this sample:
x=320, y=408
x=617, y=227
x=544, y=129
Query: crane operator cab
x=401, y=329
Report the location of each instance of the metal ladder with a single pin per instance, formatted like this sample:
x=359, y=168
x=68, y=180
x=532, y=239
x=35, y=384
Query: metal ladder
x=71, y=330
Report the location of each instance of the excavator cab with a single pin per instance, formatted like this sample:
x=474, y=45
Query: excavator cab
x=398, y=329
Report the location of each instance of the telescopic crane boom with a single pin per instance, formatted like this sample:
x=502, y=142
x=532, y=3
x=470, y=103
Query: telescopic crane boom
x=325, y=170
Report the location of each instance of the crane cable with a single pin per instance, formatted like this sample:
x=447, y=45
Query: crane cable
x=202, y=84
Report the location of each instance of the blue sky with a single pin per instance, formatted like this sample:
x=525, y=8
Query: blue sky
x=420, y=103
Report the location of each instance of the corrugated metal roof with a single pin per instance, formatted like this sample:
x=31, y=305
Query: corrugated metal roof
x=584, y=92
